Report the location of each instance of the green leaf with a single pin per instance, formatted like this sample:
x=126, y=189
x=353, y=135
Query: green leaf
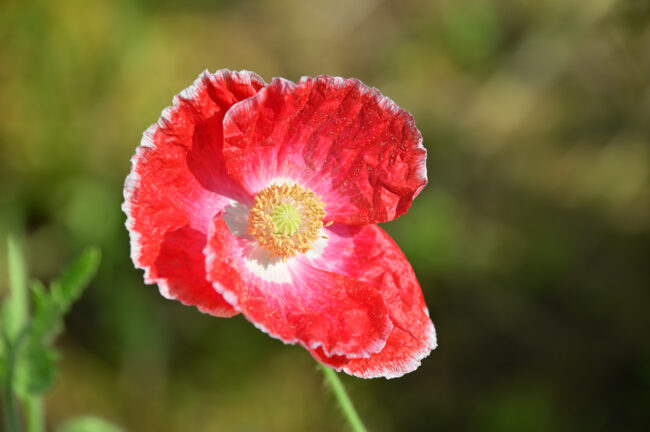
x=35, y=370
x=88, y=424
x=15, y=310
x=47, y=320
x=74, y=279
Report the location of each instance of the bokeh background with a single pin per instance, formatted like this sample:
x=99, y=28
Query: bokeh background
x=531, y=242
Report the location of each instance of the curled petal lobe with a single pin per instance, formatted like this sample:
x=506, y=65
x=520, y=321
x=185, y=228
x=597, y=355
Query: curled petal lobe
x=341, y=139
x=368, y=254
x=294, y=301
x=178, y=182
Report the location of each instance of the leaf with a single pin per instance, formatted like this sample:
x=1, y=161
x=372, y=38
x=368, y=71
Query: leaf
x=74, y=279
x=35, y=370
x=88, y=424
x=46, y=317
x=15, y=309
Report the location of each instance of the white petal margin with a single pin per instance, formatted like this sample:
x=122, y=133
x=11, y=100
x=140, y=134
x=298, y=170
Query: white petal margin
x=398, y=368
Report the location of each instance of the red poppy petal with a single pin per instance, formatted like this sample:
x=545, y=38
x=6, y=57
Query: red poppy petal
x=342, y=139
x=298, y=303
x=369, y=254
x=178, y=183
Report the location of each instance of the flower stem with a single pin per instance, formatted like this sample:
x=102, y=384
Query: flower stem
x=10, y=412
x=343, y=399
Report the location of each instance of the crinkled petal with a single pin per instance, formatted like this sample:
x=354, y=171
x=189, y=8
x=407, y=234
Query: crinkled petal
x=178, y=182
x=340, y=138
x=368, y=254
x=296, y=302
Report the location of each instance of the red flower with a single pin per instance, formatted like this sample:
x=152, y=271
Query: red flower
x=263, y=199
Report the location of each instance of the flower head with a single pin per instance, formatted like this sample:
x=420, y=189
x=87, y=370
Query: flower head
x=263, y=199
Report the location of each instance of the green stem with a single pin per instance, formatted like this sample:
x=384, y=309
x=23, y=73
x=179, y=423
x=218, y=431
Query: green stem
x=10, y=412
x=15, y=318
x=34, y=414
x=343, y=399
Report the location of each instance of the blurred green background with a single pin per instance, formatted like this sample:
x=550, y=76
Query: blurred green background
x=531, y=242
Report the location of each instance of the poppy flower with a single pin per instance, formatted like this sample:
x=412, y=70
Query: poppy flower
x=263, y=199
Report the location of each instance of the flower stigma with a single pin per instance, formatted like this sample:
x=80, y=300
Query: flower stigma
x=286, y=219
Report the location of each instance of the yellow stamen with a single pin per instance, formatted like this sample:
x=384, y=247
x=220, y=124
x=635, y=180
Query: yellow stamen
x=286, y=219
